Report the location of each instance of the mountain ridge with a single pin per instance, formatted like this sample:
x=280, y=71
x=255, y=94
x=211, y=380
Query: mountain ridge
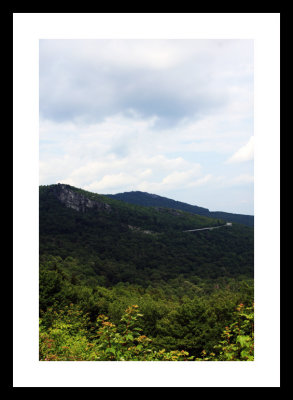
x=105, y=241
x=154, y=200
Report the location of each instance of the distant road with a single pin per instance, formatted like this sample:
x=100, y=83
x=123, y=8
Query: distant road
x=210, y=227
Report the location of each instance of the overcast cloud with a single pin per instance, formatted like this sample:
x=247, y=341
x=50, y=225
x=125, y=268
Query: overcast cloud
x=171, y=117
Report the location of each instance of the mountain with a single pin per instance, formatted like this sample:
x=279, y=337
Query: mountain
x=153, y=200
x=102, y=240
x=101, y=259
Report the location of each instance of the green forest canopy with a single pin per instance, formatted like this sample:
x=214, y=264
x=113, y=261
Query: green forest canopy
x=186, y=285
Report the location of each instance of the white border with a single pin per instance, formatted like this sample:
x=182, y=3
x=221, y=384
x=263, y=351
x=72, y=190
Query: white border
x=27, y=30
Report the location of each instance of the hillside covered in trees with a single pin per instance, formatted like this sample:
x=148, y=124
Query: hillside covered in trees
x=153, y=200
x=120, y=281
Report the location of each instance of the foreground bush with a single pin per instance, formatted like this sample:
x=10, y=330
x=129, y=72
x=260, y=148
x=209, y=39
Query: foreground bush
x=238, y=339
x=71, y=337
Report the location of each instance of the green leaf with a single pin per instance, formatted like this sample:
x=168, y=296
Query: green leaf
x=243, y=340
x=129, y=336
x=111, y=350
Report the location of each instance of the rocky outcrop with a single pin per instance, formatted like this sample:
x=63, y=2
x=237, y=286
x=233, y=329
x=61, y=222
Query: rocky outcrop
x=77, y=201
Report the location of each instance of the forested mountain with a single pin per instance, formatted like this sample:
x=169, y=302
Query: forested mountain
x=153, y=200
x=120, y=242
x=100, y=256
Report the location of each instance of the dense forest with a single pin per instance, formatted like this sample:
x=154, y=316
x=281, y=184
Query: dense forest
x=153, y=200
x=120, y=281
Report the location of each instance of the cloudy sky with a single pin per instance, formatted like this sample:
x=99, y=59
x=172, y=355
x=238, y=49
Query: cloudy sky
x=170, y=117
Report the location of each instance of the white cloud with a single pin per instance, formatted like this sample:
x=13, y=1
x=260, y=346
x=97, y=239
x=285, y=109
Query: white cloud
x=239, y=180
x=110, y=182
x=175, y=181
x=126, y=153
x=245, y=153
x=173, y=79
x=138, y=174
x=179, y=178
x=242, y=179
x=151, y=115
x=201, y=181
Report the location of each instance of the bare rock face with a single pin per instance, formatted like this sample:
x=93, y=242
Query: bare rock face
x=77, y=201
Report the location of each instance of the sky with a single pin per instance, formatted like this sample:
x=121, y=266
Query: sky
x=169, y=117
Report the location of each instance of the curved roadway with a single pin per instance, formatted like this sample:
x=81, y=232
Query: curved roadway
x=210, y=227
